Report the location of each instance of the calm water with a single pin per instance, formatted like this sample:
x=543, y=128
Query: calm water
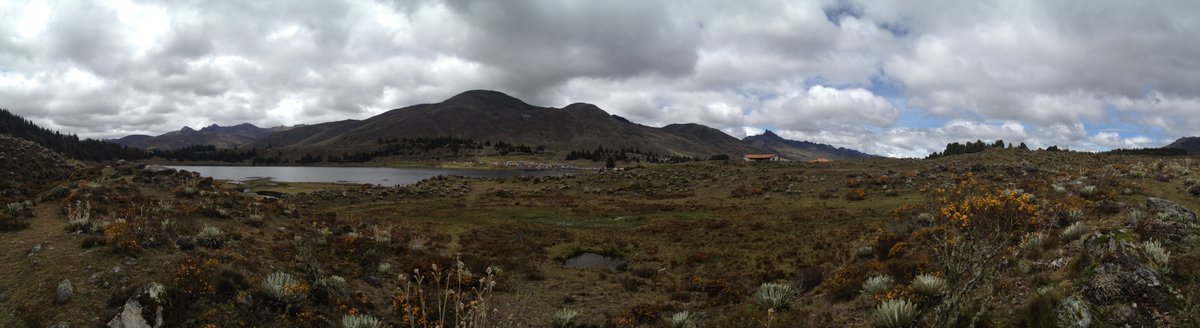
x=386, y=176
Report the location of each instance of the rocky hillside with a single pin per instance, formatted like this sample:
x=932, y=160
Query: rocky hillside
x=223, y=137
x=29, y=170
x=801, y=150
x=496, y=117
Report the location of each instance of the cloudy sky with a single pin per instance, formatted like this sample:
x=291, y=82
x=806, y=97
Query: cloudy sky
x=898, y=78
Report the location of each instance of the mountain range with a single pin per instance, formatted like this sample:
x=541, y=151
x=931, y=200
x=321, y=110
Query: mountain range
x=495, y=117
x=222, y=137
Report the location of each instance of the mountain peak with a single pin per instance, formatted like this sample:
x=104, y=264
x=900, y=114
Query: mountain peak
x=483, y=97
x=770, y=134
x=187, y=129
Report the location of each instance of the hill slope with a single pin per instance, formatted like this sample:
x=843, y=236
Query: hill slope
x=494, y=116
x=1190, y=144
x=69, y=145
x=223, y=137
x=801, y=150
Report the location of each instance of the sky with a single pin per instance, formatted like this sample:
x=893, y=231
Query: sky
x=894, y=78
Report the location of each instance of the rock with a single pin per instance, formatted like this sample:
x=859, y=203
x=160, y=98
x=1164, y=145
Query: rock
x=1073, y=313
x=61, y=324
x=1170, y=210
x=64, y=291
x=56, y=193
x=148, y=300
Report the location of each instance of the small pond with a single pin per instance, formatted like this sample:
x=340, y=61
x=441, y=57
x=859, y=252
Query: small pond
x=596, y=262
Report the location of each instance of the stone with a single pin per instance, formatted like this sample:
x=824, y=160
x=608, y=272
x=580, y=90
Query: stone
x=1170, y=210
x=64, y=291
x=1073, y=313
x=148, y=300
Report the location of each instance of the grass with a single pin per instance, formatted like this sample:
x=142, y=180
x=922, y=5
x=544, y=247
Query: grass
x=691, y=246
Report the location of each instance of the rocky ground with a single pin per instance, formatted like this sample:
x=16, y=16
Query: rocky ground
x=1000, y=238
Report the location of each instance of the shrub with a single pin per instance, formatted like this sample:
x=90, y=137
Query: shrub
x=283, y=288
x=1158, y=257
x=928, y=285
x=895, y=313
x=120, y=238
x=566, y=318
x=211, y=237
x=360, y=321
x=878, y=284
x=1074, y=231
x=774, y=295
x=856, y=194
x=335, y=284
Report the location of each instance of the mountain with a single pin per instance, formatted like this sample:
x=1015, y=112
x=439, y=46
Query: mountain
x=1190, y=144
x=490, y=116
x=801, y=150
x=222, y=137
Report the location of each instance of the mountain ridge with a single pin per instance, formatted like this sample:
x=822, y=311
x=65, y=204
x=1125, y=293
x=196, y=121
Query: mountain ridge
x=802, y=150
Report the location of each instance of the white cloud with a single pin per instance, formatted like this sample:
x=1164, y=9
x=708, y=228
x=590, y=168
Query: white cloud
x=1025, y=70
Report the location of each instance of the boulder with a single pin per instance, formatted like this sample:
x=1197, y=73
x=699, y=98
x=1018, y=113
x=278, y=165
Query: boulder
x=64, y=291
x=143, y=310
x=1170, y=210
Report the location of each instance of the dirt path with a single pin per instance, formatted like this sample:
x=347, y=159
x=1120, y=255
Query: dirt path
x=35, y=260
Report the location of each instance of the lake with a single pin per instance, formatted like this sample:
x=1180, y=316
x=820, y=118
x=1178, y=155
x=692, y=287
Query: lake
x=386, y=176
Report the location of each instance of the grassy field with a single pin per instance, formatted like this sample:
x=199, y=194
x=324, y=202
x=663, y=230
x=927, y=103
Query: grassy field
x=699, y=237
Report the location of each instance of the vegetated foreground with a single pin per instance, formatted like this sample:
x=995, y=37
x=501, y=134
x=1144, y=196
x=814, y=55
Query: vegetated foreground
x=1000, y=238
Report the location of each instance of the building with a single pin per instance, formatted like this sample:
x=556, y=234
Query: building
x=761, y=157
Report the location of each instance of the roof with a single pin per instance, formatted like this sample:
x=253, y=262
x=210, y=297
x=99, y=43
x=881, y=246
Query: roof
x=820, y=160
x=759, y=156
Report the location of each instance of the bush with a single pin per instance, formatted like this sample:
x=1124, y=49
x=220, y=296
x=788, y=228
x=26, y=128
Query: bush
x=895, y=313
x=360, y=321
x=856, y=194
x=774, y=295
x=928, y=285
x=877, y=284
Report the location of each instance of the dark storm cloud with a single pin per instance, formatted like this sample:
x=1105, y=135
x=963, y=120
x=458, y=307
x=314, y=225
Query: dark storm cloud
x=1040, y=72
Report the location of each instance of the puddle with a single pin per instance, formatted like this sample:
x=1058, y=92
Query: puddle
x=596, y=262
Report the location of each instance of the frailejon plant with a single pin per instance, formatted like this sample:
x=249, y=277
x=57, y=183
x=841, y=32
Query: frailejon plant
x=79, y=217
x=682, y=319
x=928, y=284
x=1158, y=257
x=1032, y=242
x=360, y=321
x=895, y=314
x=878, y=284
x=566, y=318
x=1074, y=231
x=774, y=296
x=283, y=288
x=211, y=237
